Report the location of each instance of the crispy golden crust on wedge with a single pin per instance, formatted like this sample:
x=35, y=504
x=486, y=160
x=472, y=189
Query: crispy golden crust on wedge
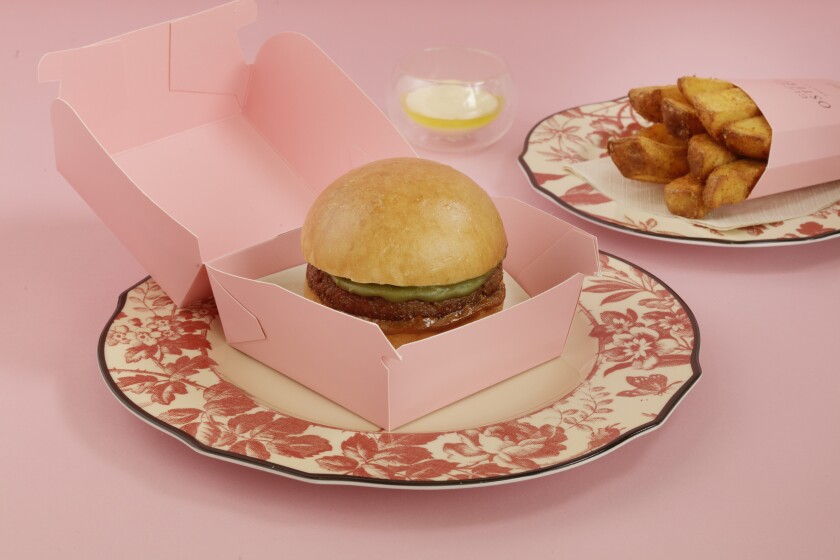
x=749, y=137
x=684, y=197
x=681, y=119
x=690, y=86
x=660, y=133
x=644, y=159
x=705, y=155
x=647, y=101
x=731, y=183
x=718, y=108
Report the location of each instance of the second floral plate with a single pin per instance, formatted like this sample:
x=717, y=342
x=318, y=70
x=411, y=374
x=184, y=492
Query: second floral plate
x=581, y=133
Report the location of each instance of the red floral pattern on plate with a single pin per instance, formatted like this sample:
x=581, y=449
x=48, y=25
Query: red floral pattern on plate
x=159, y=362
x=581, y=133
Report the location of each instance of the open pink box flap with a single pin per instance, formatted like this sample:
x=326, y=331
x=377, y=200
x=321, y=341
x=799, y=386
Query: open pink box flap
x=357, y=366
x=805, y=118
x=197, y=160
x=144, y=114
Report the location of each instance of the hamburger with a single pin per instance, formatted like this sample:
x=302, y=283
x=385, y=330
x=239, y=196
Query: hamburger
x=409, y=244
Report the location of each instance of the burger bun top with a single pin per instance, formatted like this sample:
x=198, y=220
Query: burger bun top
x=404, y=222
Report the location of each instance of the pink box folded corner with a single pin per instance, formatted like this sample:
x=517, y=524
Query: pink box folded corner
x=200, y=162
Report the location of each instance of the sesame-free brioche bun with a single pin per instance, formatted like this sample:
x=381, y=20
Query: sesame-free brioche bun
x=404, y=222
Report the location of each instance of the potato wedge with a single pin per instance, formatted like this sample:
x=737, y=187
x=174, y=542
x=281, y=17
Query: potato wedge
x=690, y=86
x=647, y=101
x=681, y=119
x=748, y=137
x=704, y=155
x=647, y=160
x=708, y=144
x=684, y=197
x=732, y=182
x=660, y=133
x=718, y=108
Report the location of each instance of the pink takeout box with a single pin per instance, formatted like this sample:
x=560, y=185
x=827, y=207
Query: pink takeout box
x=350, y=360
x=205, y=166
x=805, y=117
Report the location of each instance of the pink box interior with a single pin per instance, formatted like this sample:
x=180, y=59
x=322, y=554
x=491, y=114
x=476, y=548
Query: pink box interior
x=197, y=160
x=188, y=153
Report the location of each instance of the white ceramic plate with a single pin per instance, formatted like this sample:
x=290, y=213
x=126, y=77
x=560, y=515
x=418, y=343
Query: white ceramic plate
x=581, y=133
x=632, y=355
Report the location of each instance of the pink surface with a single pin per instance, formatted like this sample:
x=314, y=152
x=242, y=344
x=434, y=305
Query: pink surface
x=745, y=467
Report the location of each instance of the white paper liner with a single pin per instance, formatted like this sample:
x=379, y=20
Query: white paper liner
x=602, y=174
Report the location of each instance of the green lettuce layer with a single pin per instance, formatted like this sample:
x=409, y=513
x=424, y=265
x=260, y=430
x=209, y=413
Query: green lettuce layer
x=406, y=293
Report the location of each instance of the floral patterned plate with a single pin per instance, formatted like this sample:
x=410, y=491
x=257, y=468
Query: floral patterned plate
x=581, y=133
x=166, y=365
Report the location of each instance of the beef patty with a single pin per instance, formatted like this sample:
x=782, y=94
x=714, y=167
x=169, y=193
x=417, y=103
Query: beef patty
x=408, y=316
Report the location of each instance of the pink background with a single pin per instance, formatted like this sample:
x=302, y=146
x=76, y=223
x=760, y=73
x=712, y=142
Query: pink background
x=745, y=467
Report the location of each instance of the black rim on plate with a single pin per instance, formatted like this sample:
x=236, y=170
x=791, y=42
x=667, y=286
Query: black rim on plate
x=357, y=480
x=620, y=227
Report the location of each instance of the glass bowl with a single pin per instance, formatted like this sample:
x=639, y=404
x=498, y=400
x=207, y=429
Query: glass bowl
x=451, y=99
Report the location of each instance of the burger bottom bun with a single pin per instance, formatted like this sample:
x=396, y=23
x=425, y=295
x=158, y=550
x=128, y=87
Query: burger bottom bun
x=403, y=332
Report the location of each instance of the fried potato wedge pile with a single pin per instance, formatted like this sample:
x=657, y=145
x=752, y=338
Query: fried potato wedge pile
x=708, y=144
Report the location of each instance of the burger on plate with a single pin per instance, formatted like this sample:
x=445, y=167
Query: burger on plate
x=409, y=244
